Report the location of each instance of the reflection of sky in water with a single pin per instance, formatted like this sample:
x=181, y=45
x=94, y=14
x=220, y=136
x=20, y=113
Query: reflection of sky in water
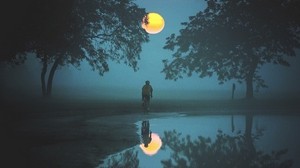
x=280, y=132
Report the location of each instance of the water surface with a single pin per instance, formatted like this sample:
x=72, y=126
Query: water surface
x=277, y=132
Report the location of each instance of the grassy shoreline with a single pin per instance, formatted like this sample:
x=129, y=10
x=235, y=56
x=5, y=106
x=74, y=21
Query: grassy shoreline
x=103, y=107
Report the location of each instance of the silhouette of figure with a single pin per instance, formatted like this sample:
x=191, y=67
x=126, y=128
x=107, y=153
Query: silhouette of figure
x=146, y=95
x=233, y=89
x=146, y=133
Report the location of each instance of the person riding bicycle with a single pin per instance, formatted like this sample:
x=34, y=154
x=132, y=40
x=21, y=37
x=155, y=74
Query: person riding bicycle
x=147, y=94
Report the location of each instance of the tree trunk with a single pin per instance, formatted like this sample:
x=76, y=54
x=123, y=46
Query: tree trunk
x=249, y=87
x=51, y=75
x=43, y=75
x=249, y=78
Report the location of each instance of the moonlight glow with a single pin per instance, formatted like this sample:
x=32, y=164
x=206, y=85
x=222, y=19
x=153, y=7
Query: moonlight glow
x=153, y=146
x=153, y=23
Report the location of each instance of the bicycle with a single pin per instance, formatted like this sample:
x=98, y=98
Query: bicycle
x=146, y=104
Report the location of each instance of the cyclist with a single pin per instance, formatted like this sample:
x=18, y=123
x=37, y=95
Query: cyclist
x=147, y=94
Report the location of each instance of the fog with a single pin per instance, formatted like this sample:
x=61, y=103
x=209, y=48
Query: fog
x=122, y=82
x=87, y=117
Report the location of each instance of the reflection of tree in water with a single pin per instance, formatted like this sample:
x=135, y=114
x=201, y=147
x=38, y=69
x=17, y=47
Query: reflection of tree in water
x=125, y=159
x=226, y=152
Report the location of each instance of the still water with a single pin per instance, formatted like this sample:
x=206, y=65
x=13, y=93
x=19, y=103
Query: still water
x=276, y=132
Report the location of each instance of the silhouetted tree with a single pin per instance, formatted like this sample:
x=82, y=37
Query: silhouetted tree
x=14, y=38
x=226, y=152
x=69, y=31
x=233, y=39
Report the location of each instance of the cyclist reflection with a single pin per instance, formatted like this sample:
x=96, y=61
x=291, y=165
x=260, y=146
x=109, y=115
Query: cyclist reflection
x=146, y=133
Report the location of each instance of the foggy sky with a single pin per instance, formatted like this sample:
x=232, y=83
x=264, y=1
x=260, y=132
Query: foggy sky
x=122, y=78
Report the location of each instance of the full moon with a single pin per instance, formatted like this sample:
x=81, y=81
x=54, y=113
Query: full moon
x=153, y=23
x=153, y=146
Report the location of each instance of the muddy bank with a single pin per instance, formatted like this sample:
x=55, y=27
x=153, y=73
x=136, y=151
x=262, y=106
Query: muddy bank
x=79, y=141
